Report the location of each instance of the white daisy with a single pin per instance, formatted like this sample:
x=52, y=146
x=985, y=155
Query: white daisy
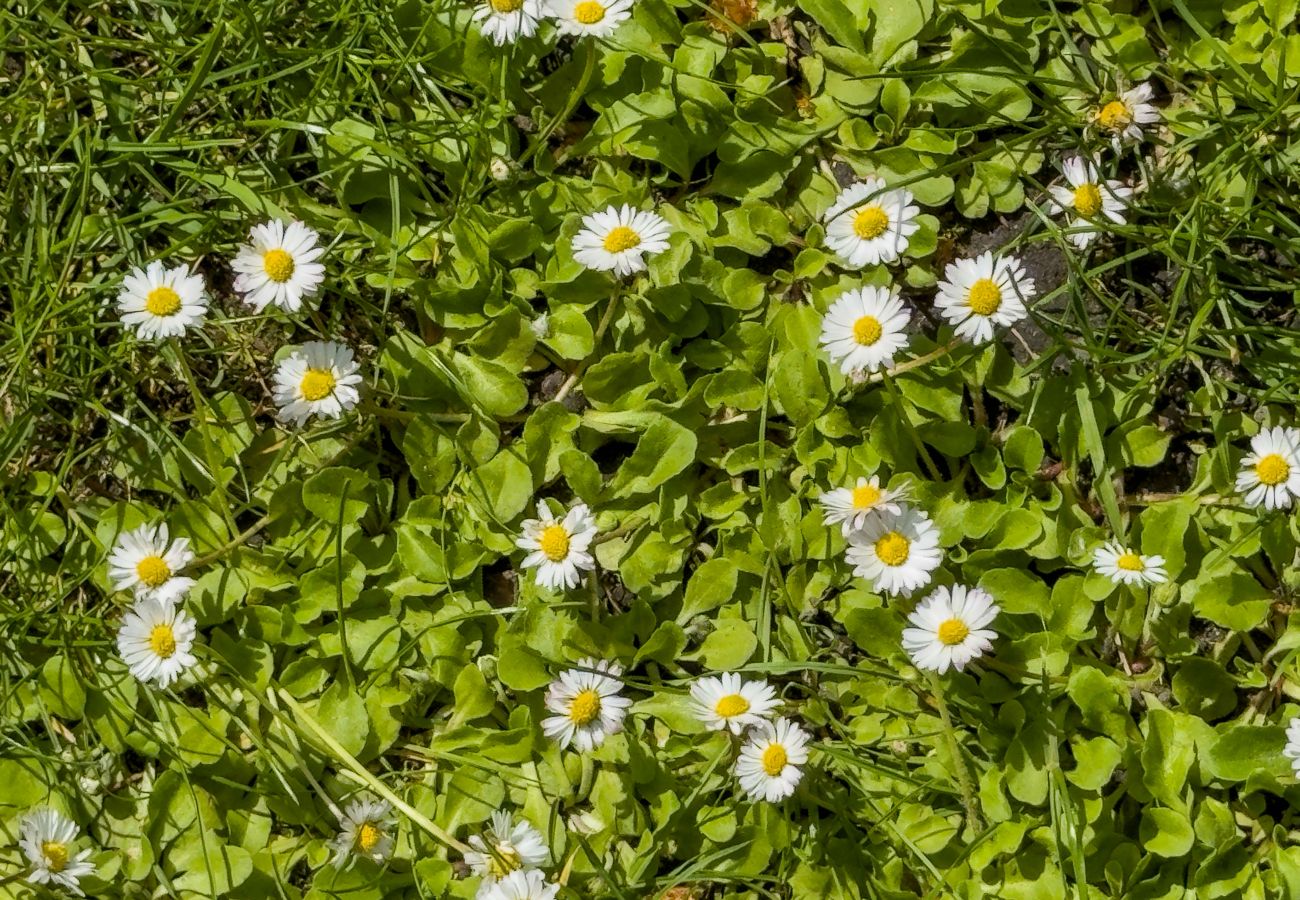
x=1123, y=566
x=864, y=328
x=769, y=765
x=278, y=265
x=618, y=238
x=949, y=628
x=1292, y=749
x=509, y=845
x=157, y=302
x=146, y=561
x=155, y=640
x=594, y=18
x=1125, y=116
x=977, y=294
x=1270, y=473
x=505, y=21
x=558, y=547
x=45, y=837
x=1087, y=200
x=318, y=379
x=727, y=702
x=897, y=554
x=366, y=831
x=868, y=225
x=521, y=885
x=851, y=507
x=587, y=705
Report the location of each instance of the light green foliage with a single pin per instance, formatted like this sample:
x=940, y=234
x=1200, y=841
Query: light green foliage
x=363, y=622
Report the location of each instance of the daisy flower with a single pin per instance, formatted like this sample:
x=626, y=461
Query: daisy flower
x=506, y=21
x=590, y=17
x=851, y=507
x=146, y=561
x=1125, y=116
x=155, y=640
x=278, y=265
x=950, y=628
x=1123, y=566
x=157, y=302
x=769, y=765
x=868, y=225
x=1270, y=473
x=522, y=885
x=45, y=836
x=318, y=379
x=508, y=846
x=1088, y=199
x=1292, y=749
x=977, y=294
x=617, y=239
x=558, y=548
x=727, y=702
x=897, y=554
x=586, y=704
x=365, y=830
x=864, y=328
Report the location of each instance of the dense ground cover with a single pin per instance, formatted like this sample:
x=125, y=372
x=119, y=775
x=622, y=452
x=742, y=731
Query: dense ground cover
x=365, y=628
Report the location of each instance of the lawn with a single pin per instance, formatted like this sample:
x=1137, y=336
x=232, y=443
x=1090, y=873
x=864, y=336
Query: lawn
x=556, y=449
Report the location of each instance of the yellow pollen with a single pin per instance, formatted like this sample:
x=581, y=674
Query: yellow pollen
x=506, y=6
x=984, y=298
x=731, y=705
x=56, y=855
x=162, y=640
x=870, y=222
x=585, y=707
x=865, y=496
x=317, y=384
x=620, y=238
x=774, y=759
x=1087, y=200
x=554, y=542
x=163, y=301
x=1272, y=470
x=368, y=836
x=505, y=860
x=278, y=264
x=867, y=330
x=1129, y=561
x=1114, y=116
x=893, y=549
x=952, y=632
x=153, y=571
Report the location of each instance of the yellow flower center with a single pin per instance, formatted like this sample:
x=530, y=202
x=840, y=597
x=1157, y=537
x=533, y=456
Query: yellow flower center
x=584, y=708
x=870, y=222
x=368, y=836
x=952, y=632
x=505, y=860
x=620, y=238
x=893, y=549
x=1129, y=561
x=985, y=297
x=1272, y=469
x=278, y=265
x=867, y=330
x=1114, y=116
x=731, y=705
x=506, y=6
x=162, y=640
x=774, y=759
x=56, y=855
x=317, y=384
x=865, y=496
x=153, y=571
x=554, y=542
x=163, y=301
x=1087, y=200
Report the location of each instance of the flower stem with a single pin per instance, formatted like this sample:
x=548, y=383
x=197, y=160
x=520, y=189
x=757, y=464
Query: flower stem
x=964, y=783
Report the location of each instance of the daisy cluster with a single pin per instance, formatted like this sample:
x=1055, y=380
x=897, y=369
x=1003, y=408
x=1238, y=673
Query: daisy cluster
x=506, y=21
